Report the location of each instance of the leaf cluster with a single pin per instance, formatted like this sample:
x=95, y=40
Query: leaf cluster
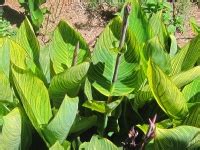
x=66, y=96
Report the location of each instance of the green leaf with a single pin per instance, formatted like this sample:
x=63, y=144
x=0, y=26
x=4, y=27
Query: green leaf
x=138, y=22
x=69, y=81
x=26, y=38
x=195, y=27
x=5, y=89
x=63, y=44
x=34, y=96
x=99, y=106
x=57, y=146
x=21, y=59
x=154, y=50
x=3, y=111
x=45, y=62
x=157, y=28
x=4, y=56
x=88, y=89
x=101, y=143
x=192, y=91
x=174, y=46
x=193, y=119
x=167, y=95
x=142, y=96
x=11, y=131
x=18, y=55
x=182, y=137
x=82, y=124
x=36, y=13
x=15, y=131
x=183, y=78
x=187, y=56
x=104, y=60
x=63, y=121
x=102, y=106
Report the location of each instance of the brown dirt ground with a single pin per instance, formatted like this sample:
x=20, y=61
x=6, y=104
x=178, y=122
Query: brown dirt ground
x=88, y=20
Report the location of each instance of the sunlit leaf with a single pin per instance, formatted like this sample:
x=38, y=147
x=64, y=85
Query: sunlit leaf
x=192, y=91
x=63, y=44
x=15, y=131
x=183, y=137
x=63, y=121
x=102, y=106
x=183, y=78
x=57, y=146
x=174, y=46
x=68, y=82
x=138, y=22
x=100, y=143
x=154, y=50
x=26, y=38
x=167, y=95
x=187, y=56
x=34, y=96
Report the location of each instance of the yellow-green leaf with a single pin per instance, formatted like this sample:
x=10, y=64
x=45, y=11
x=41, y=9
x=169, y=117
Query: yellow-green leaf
x=167, y=95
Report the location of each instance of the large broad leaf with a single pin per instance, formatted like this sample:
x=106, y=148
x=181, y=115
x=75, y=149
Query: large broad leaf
x=182, y=137
x=21, y=58
x=18, y=55
x=104, y=60
x=26, y=38
x=186, y=77
x=69, y=81
x=138, y=22
x=100, y=143
x=15, y=131
x=187, y=56
x=64, y=41
x=167, y=95
x=193, y=119
x=153, y=49
x=60, y=126
x=157, y=28
x=34, y=96
x=192, y=91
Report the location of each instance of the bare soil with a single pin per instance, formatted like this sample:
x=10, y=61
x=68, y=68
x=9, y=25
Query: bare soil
x=88, y=20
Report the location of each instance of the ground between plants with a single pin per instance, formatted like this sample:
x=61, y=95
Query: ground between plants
x=88, y=19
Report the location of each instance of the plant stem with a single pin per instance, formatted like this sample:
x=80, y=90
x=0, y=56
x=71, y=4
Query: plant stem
x=75, y=56
x=127, y=10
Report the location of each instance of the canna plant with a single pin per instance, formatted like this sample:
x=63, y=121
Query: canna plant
x=69, y=98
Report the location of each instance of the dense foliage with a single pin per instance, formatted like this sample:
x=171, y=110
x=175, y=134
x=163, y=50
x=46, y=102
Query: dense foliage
x=136, y=90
